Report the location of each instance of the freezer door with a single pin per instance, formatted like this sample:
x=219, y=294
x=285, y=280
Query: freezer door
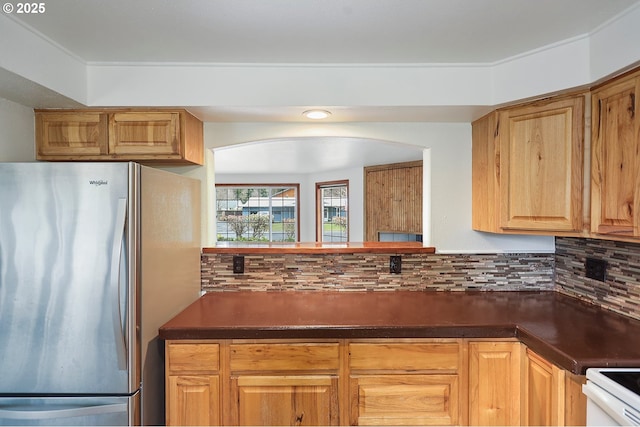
x=70, y=411
x=63, y=281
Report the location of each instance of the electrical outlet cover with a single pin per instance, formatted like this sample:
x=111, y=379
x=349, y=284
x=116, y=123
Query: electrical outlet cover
x=596, y=269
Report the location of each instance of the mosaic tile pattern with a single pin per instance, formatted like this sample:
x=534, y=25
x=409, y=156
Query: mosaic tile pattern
x=370, y=272
x=620, y=292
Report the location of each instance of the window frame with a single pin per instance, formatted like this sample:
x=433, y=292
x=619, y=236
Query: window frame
x=264, y=185
x=320, y=206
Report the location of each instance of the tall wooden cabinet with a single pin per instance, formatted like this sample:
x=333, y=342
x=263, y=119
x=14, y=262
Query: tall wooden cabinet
x=165, y=136
x=615, y=158
x=527, y=168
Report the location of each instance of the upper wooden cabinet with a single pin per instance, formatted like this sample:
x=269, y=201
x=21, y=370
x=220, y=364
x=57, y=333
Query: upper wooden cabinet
x=165, y=136
x=528, y=168
x=615, y=155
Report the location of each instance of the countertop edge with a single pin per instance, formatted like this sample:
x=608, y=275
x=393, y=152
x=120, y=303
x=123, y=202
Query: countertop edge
x=321, y=248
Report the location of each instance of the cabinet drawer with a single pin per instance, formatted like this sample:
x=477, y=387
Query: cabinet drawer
x=405, y=356
x=404, y=400
x=284, y=357
x=193, y=357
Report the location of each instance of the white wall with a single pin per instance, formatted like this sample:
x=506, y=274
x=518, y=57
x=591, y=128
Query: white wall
x=450, y=145
x=17, y=132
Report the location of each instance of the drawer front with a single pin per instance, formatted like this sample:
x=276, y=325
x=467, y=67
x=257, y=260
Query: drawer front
x=404, y=400
x=284, y=357
x=405, y=356
x=193, y=357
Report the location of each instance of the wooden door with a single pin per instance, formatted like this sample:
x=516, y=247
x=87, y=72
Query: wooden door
x=544, y=392
x=615, y=159
x=393, y=199
x=193, y=400
x=494, y=383
x=541, y=166
x=404, y=399
x=152, y=134
x=285, y=400
x=70, y=135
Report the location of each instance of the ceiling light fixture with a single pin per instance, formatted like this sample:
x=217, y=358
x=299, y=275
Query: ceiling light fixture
x=316, y=114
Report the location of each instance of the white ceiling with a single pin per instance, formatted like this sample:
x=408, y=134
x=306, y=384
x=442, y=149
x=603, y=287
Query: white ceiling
x=371, y=32
x=314, y=31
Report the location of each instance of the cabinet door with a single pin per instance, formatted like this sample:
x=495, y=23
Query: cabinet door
x=192, y=383
x=274, y=400
x=541, y=166
x=68, y=136
x=152, y=134
x=404, y=400
x=485, y=174
x=494, y=383
x=615, y=168
x=544, y=393
x=193, y=400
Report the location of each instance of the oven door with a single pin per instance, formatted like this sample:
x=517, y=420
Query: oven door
x=609, y=402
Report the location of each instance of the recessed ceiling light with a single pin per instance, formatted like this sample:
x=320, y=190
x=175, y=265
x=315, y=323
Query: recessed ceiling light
x=316, y=114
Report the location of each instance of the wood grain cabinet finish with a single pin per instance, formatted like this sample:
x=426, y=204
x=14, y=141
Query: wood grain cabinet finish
x=274, y=384
x=71, y=134
x=495, y=371
x=615, y=158
x=192, y=384
x=154, y=136
x=367, y=382
x=544, y=392
x=527, y=168
x=404, y=383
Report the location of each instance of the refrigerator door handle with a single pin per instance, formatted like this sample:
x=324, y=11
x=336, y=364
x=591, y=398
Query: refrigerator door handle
x=47, y=414
x=118, y=241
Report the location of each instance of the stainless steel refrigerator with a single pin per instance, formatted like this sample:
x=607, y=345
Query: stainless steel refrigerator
x=94, y=257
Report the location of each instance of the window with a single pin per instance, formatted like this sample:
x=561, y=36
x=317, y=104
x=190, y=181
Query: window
x=332, y=217
x=257, y=213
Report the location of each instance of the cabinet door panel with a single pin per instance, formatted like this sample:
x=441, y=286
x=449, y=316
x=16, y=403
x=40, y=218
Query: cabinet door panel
x=615, y=160
x=494, y=383
x=70, y=134
x=545, y=390
x=193, y=400
x=542, y=159
x=404, y=400
x=286, y=400
x=144, y=134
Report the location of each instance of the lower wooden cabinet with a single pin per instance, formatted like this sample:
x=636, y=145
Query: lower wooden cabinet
x=404, y=400
x=405, y=383
x=552, y=396
x=367, y=382
x=192, y=383
x=281, y=400
x=495, y=371
x=193, y=400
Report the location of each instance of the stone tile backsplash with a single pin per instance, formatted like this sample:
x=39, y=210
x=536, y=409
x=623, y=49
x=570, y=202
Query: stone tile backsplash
x=563, y=271
x=620, y=292
x=370, y=272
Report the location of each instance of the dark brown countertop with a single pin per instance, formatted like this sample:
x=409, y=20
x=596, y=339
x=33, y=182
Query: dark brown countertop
x=573, y=334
